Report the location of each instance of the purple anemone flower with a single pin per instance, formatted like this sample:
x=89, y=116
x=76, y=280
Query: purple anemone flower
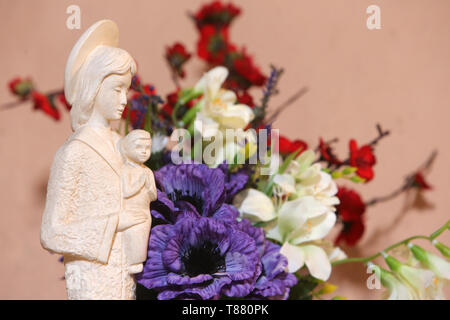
x=274, y=282
x=193, y=190
x=234, y=182
x=202, y=258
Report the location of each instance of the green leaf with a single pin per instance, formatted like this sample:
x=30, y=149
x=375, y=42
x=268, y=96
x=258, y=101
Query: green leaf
x=304, y=288
x=349, y=170
x=357, y=179
x=338, y=298
x=190, y=115
x=336, y=174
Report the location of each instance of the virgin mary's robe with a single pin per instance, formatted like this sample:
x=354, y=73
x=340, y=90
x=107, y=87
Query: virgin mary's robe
x=81, y=216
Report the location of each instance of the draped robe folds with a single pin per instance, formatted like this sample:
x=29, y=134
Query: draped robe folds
x=81, y=217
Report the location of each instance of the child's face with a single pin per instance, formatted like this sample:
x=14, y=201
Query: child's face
x=139, y=150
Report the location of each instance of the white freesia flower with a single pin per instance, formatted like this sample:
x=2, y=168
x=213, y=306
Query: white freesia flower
x=219, y=105
x=314, y=257
x=299, y=223
x=255, y=206
x=298, y=167
x=421, y=280
x=397, y=289
x=436, y=264
x=334, y=253
x=312, y=181
x=218, y=111
x=284, y=184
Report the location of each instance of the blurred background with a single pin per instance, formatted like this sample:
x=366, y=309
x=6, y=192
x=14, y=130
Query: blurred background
x=397, y=76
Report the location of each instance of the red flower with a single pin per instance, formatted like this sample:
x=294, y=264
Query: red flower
x=246, y=99
x=135, y=83
x=171, y=101
x=351, y=206
x=419, y=182
x=351, y=233
x=20, y=87
x=244, y=66
x=326, y=153
x=149, y=90
x=363, y=159
x=137, y=106
x=63, y=101
x=350, y=211
x=43, y=103
x=213, y=45
x=287, y=146
x=177, y=56
x=136, y=117
x=216, y=14
x=13, y=83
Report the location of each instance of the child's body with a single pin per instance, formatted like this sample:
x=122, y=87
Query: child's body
x=138, y=189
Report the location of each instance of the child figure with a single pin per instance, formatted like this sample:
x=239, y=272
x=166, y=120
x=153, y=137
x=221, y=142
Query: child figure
x=138, y=189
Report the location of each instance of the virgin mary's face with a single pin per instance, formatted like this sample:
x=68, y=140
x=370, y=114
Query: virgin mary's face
x=112, y=96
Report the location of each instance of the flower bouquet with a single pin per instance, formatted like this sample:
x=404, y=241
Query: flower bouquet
x=243, y=212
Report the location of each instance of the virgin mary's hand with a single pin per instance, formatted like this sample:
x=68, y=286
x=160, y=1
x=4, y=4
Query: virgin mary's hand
x=129, y=218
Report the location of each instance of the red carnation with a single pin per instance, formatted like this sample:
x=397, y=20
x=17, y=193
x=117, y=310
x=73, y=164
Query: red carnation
x=326, y=153
x=171, y=100
x=43, y=103
x=177, y=56
x=244, y=66
x=287, y=146
x=350, y=211
x=245, y=98
x=351, y=206
x=351, y=233
x=216, y=14
x=213, y=45
x=363, y=159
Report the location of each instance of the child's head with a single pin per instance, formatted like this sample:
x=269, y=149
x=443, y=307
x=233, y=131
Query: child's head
x=136, y=146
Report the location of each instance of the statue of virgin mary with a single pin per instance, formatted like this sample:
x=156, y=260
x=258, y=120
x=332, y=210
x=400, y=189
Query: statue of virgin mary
x=84, y=217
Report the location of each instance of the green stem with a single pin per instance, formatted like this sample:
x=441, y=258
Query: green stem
x=174, y=114
x=372, y=257
x=438, y=232
x=185, y=98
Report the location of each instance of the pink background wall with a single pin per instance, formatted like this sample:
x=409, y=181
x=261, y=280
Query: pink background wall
x=397, y=76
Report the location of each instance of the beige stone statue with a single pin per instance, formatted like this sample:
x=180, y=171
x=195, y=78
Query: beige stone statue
x=138, y=190
x=85, y=219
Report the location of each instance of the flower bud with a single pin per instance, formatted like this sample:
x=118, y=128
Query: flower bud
x=442, y=248
x=438, y=265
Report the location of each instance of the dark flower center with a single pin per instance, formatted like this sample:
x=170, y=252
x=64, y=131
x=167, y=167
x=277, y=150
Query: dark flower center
x=194, y=199
x=203, y=259
x=347, y=227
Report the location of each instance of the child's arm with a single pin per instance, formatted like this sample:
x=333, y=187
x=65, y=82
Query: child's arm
x=150, y=184
x=129, y=187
